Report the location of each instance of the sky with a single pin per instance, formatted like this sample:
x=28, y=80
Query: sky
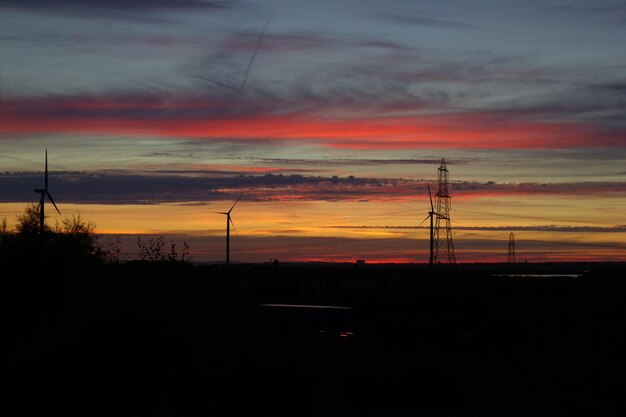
x=330, y=117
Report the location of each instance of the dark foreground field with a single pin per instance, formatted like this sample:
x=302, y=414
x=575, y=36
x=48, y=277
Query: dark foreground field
x=178, y=340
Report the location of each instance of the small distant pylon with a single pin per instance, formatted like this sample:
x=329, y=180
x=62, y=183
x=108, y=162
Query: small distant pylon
x=512, y=260
x=444, y=246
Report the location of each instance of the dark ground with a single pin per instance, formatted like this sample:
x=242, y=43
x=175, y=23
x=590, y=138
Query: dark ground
x=179, y=340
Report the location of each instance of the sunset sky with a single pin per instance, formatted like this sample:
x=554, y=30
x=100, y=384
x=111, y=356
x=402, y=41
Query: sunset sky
x=329, y=116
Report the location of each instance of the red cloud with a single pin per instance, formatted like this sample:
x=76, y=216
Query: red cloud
x=211, y=119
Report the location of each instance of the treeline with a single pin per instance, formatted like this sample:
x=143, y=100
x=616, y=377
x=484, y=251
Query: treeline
x=74, y=241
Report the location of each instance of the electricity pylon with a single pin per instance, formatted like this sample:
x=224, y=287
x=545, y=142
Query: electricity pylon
x=512, y=260
x=444, y=246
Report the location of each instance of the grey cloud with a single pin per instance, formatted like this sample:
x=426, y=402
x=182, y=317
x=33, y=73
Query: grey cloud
x=303, y=41
x=277, y=42
x=341, y=82
x=204, y=186
x=349, y=162
x=151, y=104
x=600, y=104
x=184, y=186
x=146, y=11
x=414, y=20
x=537, y=188
x=618, y=86
x=417, y=81
x=584, y=6
x=50, y=38
x=94, y=5
x=353, y=89
x=169, y=155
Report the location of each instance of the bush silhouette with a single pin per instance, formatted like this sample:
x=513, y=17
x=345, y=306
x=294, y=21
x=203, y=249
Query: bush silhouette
x=71, y=242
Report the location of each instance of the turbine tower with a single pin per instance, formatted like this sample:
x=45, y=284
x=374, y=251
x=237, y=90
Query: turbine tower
x=444, y=247
x=229, y=221
x=512, y=260
x=431, y=215
x=43, y=192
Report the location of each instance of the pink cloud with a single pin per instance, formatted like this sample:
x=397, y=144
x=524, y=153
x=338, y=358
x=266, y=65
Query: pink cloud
x=215, y=118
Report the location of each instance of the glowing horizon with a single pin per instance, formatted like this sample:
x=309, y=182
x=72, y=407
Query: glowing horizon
x=258, y=223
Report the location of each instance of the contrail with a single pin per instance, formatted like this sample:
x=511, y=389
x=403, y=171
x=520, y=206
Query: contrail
x=254, y=52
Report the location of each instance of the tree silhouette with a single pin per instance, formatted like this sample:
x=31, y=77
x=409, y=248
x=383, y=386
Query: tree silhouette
x=71, y=242
x=28, y=222
x=152, y=250
x=74, y=241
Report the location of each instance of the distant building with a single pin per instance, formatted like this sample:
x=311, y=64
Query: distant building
x=360, y=262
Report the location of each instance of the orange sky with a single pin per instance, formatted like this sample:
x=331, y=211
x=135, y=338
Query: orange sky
x=301, y=223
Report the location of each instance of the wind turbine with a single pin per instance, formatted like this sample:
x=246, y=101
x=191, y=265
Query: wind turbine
x=43, y=193
x=431, y=214
x=229, y=221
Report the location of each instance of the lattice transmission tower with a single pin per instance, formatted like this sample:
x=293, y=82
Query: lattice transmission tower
x=444, y=247
x=512, y=260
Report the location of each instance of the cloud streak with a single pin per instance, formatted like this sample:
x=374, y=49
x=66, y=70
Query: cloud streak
x=89, y=6
x=512, y=228
x=208, y=118
x=203, y=186
x=140, y=11
x=348, y=162
x=415, y=20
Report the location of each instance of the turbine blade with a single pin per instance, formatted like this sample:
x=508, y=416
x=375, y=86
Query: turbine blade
x=219, y=212
x=431, y=197
x=426, y=218
x=52, y=201
x=238, y=198
x=232, y=224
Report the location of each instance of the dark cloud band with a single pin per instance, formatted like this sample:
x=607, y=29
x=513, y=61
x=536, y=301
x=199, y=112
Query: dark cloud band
x=202, y=186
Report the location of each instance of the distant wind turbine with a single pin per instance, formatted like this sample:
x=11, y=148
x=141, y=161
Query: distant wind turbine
x=229, y=221
x=431, y=214
x=43, y=193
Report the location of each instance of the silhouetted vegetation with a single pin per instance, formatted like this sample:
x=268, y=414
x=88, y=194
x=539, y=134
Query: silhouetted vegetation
x=112, y=250
x=152, y=250
x=73, y=243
